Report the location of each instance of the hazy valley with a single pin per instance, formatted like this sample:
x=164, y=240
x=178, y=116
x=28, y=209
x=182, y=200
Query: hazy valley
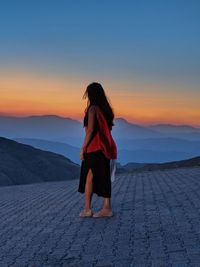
x=149, y=144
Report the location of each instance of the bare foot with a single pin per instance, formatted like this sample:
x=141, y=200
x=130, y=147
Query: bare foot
x=86, y=213
x=103, y=213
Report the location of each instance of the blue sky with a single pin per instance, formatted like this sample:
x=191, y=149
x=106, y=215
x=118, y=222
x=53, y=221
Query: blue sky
x=158, y=39
x=121, y=40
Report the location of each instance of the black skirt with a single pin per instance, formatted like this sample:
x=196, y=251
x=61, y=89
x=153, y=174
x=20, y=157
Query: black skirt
x=100, y=167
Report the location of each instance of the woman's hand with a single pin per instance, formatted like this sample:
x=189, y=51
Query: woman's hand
x=81, y=153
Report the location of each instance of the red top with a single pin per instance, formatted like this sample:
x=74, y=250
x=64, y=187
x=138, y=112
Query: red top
x=103, y=139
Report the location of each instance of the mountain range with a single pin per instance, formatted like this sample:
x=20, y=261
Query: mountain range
x=132, y=167
x=66, y=150
x=24, y=164
x=154, y=143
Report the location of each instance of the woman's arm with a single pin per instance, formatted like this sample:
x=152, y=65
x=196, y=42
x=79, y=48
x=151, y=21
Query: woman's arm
x=90, y=128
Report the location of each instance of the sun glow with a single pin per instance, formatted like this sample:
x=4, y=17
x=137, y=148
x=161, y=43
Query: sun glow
x=25, y=94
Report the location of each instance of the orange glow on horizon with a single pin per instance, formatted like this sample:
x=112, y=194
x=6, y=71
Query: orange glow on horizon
x=24, y=94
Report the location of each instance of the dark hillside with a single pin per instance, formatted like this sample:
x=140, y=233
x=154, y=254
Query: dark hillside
x=23, y=164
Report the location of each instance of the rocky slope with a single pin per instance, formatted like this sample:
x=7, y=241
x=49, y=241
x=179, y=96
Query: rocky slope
x=23, y=164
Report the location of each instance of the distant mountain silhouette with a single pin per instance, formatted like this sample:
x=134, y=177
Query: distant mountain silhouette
x=136, y=143
x=160, y=144
x=156, y=150
x=177, y=131
x=23, y=164
x=66, y=150
x=140, y=150
x=169, y=128
x=145, y=156
x=162, y=166
x=48, y=127
x=126, y=130
x=56, y=128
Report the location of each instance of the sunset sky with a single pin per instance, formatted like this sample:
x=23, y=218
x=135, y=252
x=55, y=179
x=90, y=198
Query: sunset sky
x=145, y=54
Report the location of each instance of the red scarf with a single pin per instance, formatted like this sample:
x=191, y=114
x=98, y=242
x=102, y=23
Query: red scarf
x=103, y=139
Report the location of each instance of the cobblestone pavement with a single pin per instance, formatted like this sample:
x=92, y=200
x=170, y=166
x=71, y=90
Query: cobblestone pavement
x=156, y=222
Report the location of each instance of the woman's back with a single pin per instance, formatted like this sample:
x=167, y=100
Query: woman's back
x=102, y=138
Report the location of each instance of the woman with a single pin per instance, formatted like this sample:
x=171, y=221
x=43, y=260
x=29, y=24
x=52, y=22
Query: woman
x=97, y=151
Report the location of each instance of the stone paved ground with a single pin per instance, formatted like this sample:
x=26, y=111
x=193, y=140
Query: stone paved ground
x=156, y=223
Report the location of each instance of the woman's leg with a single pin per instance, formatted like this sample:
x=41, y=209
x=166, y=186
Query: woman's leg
x=88, y=190
x=107, y=203
x=106, y=209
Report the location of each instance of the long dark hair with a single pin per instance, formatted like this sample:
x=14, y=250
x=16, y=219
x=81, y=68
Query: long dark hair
x=96, y=96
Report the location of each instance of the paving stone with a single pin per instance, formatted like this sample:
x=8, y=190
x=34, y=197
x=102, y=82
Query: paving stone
x=155, y=223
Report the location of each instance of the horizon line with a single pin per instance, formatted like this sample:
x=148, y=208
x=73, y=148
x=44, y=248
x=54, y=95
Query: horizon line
x=2, y=114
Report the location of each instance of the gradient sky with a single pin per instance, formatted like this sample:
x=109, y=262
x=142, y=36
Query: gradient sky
x=145, y=53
